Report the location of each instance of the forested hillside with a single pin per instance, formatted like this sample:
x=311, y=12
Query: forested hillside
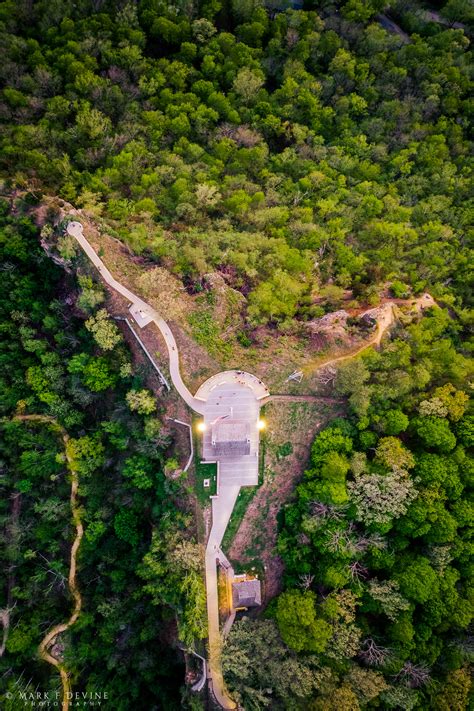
x=313, y=159
x=377, y=546
x=61, y=355
x=300, y=153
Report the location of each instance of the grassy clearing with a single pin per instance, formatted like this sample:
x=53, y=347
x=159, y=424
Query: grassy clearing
x=245, y=497
x=206, y=331
x=204, y=472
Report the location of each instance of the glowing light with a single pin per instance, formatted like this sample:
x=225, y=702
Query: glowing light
x=201, y=426
x=261, y=424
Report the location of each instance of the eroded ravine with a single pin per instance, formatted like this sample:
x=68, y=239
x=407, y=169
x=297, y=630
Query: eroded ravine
x=47, y=641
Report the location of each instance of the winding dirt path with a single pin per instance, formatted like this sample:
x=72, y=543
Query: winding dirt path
x=74, y=590
x=13, y=536
x=385, y=317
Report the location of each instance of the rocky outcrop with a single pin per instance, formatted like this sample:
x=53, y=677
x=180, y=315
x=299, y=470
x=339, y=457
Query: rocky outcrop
x=333, y=324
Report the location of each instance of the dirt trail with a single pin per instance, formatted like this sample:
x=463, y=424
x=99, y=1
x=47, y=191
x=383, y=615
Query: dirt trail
x=13, y=535
x=63, y=626
x=5, y=622
x=385, y=319
x=304, y=398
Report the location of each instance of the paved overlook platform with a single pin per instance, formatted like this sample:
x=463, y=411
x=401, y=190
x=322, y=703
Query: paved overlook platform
x=229, y=402
x=233, y=377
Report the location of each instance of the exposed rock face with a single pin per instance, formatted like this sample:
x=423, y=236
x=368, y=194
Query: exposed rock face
x=327, y=329
x=375, y=313
x=216, y=282
x=332, y=323
x=367, y=322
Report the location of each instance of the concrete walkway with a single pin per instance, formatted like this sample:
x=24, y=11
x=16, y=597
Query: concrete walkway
x=221, y=510
x=143, y=314
x=230, y=393
x=236, y=395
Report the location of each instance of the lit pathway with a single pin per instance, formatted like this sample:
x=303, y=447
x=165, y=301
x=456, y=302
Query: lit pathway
x=230, y=392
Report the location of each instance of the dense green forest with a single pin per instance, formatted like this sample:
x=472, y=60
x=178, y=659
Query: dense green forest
x=298, y=152
x=139, y=568
x=377, y=546
x=310, y=157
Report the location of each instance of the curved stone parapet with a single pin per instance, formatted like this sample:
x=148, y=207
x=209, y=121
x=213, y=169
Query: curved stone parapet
x=233, y=377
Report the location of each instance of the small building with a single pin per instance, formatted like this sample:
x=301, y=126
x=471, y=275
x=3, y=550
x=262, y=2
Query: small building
x=230, y=437
x=246, y=593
